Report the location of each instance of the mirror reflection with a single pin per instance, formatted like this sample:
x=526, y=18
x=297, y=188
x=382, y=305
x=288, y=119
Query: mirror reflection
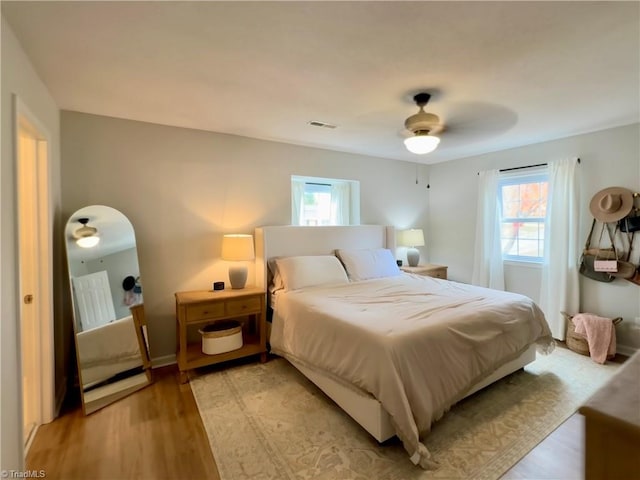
x=108, y=308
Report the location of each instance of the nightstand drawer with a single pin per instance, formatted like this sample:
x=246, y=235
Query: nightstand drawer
x=205, y=311
x=428, y=270
x=439, y=273
x=243, y=305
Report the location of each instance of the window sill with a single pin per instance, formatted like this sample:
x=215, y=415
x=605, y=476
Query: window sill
x=516, y=263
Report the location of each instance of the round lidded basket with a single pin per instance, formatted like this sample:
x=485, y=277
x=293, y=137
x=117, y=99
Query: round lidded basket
x=578, y=343
x=221, y=337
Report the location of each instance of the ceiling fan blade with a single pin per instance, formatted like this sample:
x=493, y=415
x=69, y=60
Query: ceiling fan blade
x=474, y=121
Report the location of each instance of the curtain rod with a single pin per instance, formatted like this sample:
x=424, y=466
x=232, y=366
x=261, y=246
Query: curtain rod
x=526, y=166
x=319, y=184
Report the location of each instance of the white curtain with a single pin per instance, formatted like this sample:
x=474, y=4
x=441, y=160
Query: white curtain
x=297, y=199
x=488, y=270
x=560, y=284
x=340, y=203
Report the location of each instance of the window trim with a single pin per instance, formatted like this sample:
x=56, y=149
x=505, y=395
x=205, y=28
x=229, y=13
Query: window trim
x=534, y=175
x=354, y=195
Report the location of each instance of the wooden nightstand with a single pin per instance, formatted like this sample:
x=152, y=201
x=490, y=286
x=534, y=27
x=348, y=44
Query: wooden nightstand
x=197, y=308
x=612, y=425
x=429, y=270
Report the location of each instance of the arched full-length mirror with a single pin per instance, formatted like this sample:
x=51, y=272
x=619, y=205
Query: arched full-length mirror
x=108, y=309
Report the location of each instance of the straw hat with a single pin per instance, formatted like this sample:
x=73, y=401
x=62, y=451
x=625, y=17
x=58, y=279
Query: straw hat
x=611, y=204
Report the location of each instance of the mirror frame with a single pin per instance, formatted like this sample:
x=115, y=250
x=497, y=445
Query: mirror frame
x=112, y=226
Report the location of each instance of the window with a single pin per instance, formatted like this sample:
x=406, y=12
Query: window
x=523, y=199
x=324, y=201
x=316, y=204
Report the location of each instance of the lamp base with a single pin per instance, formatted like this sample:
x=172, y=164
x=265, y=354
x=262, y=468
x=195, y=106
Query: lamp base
x=413, y=256
x=238, y=276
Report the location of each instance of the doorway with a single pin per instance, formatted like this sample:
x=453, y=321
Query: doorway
x=35, y=272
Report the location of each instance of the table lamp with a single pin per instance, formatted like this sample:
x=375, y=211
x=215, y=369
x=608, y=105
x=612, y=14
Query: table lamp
x=237, y=248
x=412, y=238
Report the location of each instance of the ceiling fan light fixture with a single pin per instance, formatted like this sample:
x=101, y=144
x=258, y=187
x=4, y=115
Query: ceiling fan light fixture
x=421, y=124
x=88, y=242
x=86, y=236
x=421, y=143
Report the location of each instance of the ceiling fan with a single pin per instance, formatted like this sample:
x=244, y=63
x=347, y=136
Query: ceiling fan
x=423, y=125
x=86, y=236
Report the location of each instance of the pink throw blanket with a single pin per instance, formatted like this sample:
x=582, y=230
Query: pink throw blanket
x=600, y=334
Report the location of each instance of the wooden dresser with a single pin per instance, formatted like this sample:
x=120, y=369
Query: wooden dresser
x=612, y=426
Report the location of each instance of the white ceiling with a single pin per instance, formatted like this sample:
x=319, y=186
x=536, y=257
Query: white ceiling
x=502, y=74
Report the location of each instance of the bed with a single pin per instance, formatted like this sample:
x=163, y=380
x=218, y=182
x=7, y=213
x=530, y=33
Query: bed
x=394, y=350
x=108, y=350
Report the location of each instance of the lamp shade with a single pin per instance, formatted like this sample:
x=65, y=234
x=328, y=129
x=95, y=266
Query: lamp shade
x=411, y=238
x=421, y=143
x=237, y=247
x=88, y=242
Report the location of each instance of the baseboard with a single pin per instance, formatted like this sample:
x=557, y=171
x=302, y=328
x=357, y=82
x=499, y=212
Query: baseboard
x=163, y=361
x=27, y=445
x=626, y=350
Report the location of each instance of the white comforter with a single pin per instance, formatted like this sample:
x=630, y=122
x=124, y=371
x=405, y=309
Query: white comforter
x=113, y=342
x=416, y=343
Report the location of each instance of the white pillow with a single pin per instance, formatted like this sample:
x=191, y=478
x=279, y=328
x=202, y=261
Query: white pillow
x=368, y=263
x=308, y=271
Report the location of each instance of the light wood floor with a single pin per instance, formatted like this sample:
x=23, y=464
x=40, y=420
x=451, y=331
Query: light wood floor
x=157, y=433
x=559, y=456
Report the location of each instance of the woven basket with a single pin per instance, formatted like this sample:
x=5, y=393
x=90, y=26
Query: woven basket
x=221, y=337
x=577, y=343
x=223, y=328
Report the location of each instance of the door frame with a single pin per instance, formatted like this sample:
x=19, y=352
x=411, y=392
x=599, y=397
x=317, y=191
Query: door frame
x=24, y=118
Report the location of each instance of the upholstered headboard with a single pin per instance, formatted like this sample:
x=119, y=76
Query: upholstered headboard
x=279, y=241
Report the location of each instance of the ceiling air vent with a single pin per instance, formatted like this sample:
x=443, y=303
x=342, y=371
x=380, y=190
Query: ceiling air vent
x=315, y=123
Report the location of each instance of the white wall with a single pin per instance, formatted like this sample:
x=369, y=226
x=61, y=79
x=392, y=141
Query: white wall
x=182, y=189
x=19, y=77
x=609, y=158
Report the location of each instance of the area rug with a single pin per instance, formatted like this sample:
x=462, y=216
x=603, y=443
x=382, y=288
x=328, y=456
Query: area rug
x=267, y=421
